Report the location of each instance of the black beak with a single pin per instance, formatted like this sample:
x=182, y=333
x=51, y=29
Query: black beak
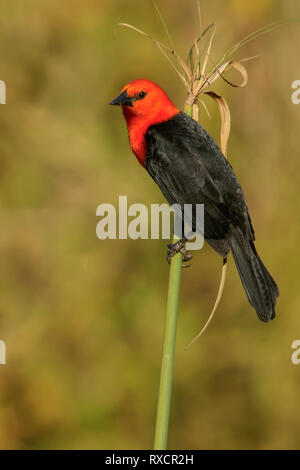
x=122, y=100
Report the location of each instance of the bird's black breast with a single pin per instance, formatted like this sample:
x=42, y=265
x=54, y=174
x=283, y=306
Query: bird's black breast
x=189, y=167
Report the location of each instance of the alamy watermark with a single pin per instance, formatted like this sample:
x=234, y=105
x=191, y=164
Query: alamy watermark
x=2, y=92
x=295, y=357
x=296, y=94
x=158, y=225
x=2, y=352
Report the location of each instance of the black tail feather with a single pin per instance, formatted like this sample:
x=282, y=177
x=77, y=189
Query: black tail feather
x=258, y=283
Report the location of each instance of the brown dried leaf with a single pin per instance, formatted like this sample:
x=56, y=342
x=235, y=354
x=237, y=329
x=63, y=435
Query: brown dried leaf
x=217, y=301
x=219, y=71
x=207, y=54
x=225, y=119
x=190, y=58
x=205, y=107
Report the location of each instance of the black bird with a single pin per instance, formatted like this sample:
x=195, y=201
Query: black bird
x=189, y=167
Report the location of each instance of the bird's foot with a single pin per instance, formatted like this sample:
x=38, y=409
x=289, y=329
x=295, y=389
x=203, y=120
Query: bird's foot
x=178, y=247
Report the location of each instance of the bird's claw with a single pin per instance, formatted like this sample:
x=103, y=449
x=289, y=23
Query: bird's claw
x=178, y=247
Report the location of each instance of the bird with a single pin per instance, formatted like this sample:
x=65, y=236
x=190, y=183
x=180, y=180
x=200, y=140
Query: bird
x=189, y=168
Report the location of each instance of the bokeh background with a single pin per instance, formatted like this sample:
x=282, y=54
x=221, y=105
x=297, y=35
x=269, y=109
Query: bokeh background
x=82, y=318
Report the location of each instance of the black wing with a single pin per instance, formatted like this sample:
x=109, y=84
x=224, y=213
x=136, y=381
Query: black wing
x=189, y=168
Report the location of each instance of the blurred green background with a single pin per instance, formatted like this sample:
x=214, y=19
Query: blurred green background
x=82, y=318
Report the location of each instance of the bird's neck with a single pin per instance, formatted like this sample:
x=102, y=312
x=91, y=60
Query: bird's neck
x=137, y=128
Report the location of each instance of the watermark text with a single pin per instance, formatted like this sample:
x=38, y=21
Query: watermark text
x=2, y=92
x=2, y=352
x=296, y=94
x=188, y=222
x=295, y=357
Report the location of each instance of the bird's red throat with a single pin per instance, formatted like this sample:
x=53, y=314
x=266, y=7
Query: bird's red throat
x=139, y=124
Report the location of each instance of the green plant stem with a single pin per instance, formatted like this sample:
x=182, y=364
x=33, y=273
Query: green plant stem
x=167, y=362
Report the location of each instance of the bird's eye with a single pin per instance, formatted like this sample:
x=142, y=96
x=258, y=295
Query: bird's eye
x=142, y=95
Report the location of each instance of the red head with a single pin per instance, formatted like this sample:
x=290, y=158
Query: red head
x=144, y=103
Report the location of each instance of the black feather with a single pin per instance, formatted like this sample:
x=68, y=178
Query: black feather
x=189, y=167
